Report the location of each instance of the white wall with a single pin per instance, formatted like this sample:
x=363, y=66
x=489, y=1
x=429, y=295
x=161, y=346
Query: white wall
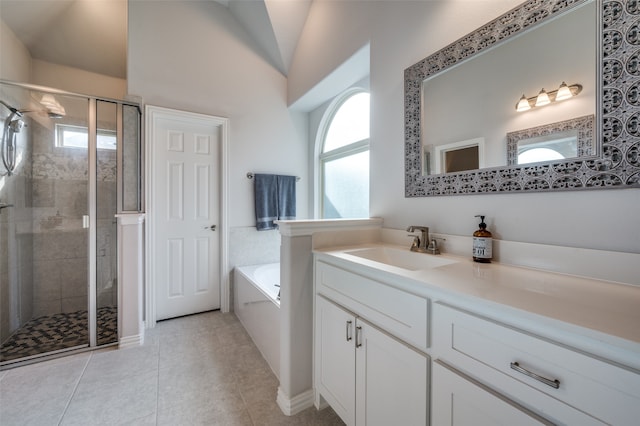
x=77, y=81
x=401, y=33
x=194, y=56
x=18, y=65
x=15, y=64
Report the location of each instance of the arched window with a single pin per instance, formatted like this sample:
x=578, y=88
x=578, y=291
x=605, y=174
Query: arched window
x=536, y=155
x=344, y=158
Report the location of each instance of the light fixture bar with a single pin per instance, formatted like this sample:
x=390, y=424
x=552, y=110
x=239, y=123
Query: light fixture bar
x=564, y=92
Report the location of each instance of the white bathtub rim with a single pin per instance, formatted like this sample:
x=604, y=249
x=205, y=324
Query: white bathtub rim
x=247, y=272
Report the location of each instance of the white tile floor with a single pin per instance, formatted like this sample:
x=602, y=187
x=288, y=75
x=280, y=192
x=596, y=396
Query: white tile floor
x=197, y=370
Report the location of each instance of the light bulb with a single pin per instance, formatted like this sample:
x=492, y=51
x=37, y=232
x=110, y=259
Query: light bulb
x=523, y=104
x=564, y=92
x=542, y=99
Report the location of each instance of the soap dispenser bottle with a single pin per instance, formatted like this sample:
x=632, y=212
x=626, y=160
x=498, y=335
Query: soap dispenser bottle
x=482, y=243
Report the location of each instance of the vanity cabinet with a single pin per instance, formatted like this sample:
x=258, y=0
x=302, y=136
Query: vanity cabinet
x=367, y=376
x=377, y=332
x=558, y=383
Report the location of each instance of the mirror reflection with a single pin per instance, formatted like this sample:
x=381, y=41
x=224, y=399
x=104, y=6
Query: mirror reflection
x=563, y=140
x=477, y=100
x=547, y=148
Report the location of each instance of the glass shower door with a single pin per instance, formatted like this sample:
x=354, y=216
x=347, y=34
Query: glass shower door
x=44, y=244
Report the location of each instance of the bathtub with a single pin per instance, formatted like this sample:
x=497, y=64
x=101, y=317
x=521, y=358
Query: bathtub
x=257, y=305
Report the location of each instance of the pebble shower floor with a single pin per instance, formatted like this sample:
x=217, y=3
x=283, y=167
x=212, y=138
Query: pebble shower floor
x=59, y=331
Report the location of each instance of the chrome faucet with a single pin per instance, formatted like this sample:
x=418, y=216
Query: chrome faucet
x=419, y=242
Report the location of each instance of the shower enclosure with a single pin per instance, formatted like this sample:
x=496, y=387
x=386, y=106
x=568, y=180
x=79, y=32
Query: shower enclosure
x=69, y=164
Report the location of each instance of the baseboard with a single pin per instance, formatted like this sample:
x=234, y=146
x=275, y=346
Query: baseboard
x=131, y=341
x=292, y=406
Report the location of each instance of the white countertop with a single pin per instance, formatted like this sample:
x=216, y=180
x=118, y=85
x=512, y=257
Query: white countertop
x=611, y=310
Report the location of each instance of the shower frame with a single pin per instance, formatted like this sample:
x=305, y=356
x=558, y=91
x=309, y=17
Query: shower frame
x=92, y=153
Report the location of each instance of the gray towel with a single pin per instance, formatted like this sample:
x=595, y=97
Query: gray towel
x=286, y=197
x=275, y=199
x=266, y=201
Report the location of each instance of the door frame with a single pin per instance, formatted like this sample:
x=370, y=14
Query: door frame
x=152, y=114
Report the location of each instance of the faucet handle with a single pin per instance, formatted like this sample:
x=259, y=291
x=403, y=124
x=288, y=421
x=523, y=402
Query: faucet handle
x=433, y=245
x=416, y=242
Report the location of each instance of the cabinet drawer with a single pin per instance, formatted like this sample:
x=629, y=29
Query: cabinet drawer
x=460, y=401
x=402, y=314
x=526, y=368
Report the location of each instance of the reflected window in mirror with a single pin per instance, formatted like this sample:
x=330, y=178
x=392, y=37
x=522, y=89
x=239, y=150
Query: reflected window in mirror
x=538, y=155
x=556, y=141
x=548, y=148
x=344, y=157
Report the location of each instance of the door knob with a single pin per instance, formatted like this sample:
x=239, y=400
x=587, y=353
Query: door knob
x=212, y=227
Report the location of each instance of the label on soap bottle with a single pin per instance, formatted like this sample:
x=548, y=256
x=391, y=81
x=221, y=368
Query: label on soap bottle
x=482, y=247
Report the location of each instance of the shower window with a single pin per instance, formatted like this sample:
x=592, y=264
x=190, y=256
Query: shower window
x=68, y=136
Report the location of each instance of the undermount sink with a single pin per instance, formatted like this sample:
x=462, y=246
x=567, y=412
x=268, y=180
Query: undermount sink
x=400, y=258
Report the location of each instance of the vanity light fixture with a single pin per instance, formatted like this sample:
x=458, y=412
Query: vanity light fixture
x=545, y=98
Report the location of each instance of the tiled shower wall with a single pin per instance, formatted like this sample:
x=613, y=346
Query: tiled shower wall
x=16, y=241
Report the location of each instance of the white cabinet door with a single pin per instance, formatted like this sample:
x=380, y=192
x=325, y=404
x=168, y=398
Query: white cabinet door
x=391, y=380
x=335, y=363
x=457, y=401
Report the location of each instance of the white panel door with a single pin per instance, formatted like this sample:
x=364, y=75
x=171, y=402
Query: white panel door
x=186, y=208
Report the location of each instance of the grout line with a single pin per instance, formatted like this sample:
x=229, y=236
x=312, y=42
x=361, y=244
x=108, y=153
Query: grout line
x=75, y=388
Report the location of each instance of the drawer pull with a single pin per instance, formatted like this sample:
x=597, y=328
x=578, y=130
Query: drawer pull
x=358, y=336
x=553, y=383
x=349, y=331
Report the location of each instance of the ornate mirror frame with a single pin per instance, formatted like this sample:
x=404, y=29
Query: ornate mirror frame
x=617, y=129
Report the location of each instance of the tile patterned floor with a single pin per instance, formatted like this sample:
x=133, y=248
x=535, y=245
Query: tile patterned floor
x=197, y=370
x=59, y=331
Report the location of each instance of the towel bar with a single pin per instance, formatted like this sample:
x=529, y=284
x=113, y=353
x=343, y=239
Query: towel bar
x=250, y=176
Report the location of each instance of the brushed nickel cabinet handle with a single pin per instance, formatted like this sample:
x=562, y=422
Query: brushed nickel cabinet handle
x=349, y=330
x=554, y=383
x=358, y=336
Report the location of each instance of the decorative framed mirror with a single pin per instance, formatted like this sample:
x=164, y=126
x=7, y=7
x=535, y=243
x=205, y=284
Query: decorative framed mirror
x=610, y=91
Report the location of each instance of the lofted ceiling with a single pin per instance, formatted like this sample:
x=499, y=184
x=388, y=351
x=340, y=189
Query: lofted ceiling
x=92, y=34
